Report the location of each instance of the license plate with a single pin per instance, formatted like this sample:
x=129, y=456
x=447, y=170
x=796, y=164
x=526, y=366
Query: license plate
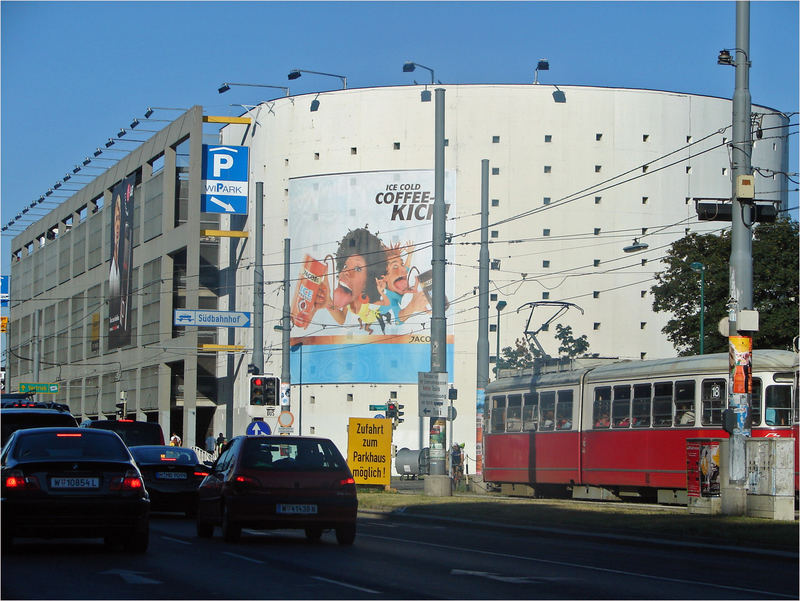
x=171, y=475
x=296, y=508
x=67, y=483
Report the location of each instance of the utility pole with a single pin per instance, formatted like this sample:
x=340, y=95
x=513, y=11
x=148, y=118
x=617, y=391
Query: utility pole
x=741, y=319
x=286, y=372
x=258, y=283
x=483, y=319
x=438, y=484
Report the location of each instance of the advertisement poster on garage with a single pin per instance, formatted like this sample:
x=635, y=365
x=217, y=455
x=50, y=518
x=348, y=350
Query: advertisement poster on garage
x=361, y=258
x=121, y=261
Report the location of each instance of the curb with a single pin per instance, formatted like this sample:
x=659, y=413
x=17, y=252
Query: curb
x=543, y=530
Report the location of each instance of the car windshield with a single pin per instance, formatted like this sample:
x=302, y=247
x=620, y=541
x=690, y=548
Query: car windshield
x=166, y=455
x=294, y=454
x=69, y=445
x=132, y=433
x=13, y=421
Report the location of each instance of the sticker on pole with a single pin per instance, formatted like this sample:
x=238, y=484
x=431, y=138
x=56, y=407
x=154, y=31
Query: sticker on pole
x=225, y=177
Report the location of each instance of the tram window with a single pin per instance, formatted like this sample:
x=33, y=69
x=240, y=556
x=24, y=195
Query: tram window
x=641, y=405
x=778, y=405
x=713, y=401
x=564, y=410
x=685, y=414
x=602, y=406
x=498, y=414
x=547, y=402
x=621, y=407
x=514, y=413
x=662, y=404
x=755, y=403
x=530, y=411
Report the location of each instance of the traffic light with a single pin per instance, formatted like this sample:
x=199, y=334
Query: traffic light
x=272, y=390
x=121, y=410
x=391, y=410
x=257, y=390
x=399, y=413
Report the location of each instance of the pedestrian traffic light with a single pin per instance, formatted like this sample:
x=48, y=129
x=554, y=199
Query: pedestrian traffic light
x=257, y=390
x=272, y=390
x=391, y=410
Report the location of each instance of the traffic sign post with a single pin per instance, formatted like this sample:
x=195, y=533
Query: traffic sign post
x=225, y=178
x=433, y=394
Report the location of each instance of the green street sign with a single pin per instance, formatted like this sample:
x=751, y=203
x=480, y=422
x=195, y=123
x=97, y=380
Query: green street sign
x=377, y=407
x=39, y=387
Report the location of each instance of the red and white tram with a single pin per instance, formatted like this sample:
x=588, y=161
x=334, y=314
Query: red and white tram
x=612, y=430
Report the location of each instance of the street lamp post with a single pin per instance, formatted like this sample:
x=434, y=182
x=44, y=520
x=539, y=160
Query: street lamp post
x=697, y=266
x=227, y=86
x=500, y=306
x=299, y=347
x=295, y=73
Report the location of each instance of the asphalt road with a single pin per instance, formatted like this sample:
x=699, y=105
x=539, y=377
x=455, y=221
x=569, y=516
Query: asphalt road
x=392, y=558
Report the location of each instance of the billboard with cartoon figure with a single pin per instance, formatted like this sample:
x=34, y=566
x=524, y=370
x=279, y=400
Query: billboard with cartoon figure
x=361, y=296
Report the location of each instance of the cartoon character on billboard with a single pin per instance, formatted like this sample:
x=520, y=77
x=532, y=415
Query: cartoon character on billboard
x=361, y=264
x=396, y=285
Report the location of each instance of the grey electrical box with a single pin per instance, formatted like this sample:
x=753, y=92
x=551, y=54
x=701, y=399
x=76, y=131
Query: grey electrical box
x=747, y=321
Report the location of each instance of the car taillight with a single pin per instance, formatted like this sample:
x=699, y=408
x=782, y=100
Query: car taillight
x=16, y=480
x=346, y=481
x=130, y=481
x=201, y=474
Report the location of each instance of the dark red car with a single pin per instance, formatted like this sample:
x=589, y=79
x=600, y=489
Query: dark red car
x=74, y=483
x=266, y=482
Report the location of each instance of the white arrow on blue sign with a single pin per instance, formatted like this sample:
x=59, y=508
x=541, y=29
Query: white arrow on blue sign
x=212, y=319
x=258, y=428
x=225, y=177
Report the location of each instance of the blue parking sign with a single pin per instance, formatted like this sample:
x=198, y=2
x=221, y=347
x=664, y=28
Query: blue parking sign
x=225, y=174
x=3, y=290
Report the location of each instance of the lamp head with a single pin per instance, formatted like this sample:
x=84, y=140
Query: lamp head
x=86, y=161
x=148, y=112
x=408, y=67
x=636, y=246
x=314, y=105
x=110, y=143
x=697, y=266
x=501, y=305
x=294, y=74
x=223, y=88
x=122, y=132
x=134, y=123
x=97, y=152
x=543, y=65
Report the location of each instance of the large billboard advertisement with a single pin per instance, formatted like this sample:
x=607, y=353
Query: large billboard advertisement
x=120, y=271
x=361, y=259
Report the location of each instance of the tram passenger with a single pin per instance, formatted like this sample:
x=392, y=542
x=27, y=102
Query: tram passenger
x=602, y=422
x=548, y=421
x=687, y=419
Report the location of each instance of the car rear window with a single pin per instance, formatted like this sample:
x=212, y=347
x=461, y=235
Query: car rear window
x=133, y=433
x=170, y=455
x=12, y=421
x=296, y=455
x=46, y=446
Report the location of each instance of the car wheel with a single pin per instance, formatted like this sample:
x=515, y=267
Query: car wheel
x=314, y=534
x=231, y=531
x=345, y=535
x=205, y=529
x=137, y=541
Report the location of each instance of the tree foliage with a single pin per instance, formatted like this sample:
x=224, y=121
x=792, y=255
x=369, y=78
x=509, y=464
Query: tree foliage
x=775, y=288
x=522, y=355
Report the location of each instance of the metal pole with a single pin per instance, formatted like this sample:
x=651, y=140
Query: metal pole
x=286, y=371
x=258, y=282
x=483, y=319
x=497, y=355
x=741, y=261
x=300, y=404
x=702, y=308
x=438, y=323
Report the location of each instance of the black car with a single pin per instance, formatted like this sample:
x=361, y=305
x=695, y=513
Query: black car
x=171, y=476
x=132, y=432
x=72, y=482
x=28, y=414
x=279, y=482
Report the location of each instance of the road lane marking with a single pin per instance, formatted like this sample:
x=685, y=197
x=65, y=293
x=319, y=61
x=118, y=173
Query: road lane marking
x=237, y=556
x=175, y=540
x=132, y=577
x=582, y=566
x=353, y=586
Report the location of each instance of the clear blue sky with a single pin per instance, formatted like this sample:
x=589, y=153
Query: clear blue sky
x=74, y=73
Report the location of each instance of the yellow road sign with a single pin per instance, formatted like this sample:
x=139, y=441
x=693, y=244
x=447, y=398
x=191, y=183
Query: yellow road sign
x=369, y=450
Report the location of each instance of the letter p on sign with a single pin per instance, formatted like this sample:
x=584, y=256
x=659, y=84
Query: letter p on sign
x=222, y=161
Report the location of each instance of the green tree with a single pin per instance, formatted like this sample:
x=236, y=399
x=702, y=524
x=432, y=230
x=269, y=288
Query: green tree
x=515, y=358
x=522, y=355
x=570, y=346
x=775, y=286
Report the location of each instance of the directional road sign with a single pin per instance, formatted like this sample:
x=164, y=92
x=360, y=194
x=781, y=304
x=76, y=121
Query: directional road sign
x=432, y=391
x=4, y=290
x=45, y=387
x=212, y=319
x=225, y=174
x=378, y=407
x=258, y=428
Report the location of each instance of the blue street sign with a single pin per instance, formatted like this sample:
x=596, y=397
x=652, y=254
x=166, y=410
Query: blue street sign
x=3, y=290
x=258, y=428
x=212, y=319
x=225, y=175
x=380, y=416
